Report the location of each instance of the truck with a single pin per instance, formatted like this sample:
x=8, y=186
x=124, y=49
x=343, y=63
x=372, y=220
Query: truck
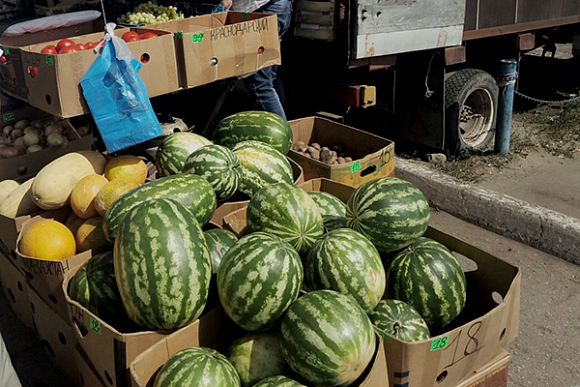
x=431, y=64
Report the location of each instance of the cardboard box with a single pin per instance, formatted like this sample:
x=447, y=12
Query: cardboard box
x=145, y=367
x=61, y=345
x=373, y=156
x=493, y=374
x=12, y=73
x=111, y=351
x=56, y=88
x=46, y=277
x=15, y=288
x=223, y=45
x=30, y=164
x=479, y=333
x=229, y=207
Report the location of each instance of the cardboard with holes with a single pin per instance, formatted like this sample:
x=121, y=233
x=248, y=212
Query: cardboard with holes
x=15, y=286
x=44, y=276
x=493, y=374
x=53, y=81
x=112, y=351
x=486, y=325
x=222, y=45
x=61, y=346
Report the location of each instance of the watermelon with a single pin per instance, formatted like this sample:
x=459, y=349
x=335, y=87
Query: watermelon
x=400, y=320
x=257, y=356
x=428, y=277
x=261, y=164
x=162, y=265
x=278, y=381
x=94, y=287
x=193, y=191
x=327, y=338
x=219, y=166
x=258, y=279
x=199, y=367
x=345, y=261
x=255, y=125
x=332, y=209
x=391, y=212
x=174, y=150
x=218, y=243
x=286, y=211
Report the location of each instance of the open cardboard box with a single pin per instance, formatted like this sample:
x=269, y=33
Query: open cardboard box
x=223, y=45
x=13, y=73
x=46, y=277
x=56, y=88
x=229, y=207
x=487, y=324
x=111, y=351
x=373, y=156
x=61, y=345
x=146, y=366
x=15, y=286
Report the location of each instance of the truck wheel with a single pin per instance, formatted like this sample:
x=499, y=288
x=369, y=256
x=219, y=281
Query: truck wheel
x=470, y=110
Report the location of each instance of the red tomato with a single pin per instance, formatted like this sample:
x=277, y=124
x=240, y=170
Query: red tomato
x=132, y=39
x=148, y=35
x=129, y=35
x=64, y=43
x=68, y=50
x=33, y=71
x=80, y=47
x=89, y=45
x=3, y=59
x=50, y=49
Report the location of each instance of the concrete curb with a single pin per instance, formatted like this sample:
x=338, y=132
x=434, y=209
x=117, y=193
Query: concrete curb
x=536, y=226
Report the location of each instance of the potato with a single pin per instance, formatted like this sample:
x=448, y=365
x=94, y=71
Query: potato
x=324, y=148
x=315, y=154
x=33, y=148
x=21, y=124
x=315, y=145
x=348, y=159
x=7, y=129
x=16, y=133
x=325, y=156
x=6, y=153
x=341, y=160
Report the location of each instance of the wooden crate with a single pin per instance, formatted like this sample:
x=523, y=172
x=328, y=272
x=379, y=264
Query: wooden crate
x=317, y=20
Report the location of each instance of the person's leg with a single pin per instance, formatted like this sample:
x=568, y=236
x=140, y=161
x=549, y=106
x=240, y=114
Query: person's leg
x=8, y=377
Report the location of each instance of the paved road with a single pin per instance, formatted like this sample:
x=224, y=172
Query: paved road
x=545, y=353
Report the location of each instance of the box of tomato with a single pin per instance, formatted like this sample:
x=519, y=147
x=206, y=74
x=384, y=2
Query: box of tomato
x=55, y=68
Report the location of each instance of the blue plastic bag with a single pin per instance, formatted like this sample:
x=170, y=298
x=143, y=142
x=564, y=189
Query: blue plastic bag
x=117, y=96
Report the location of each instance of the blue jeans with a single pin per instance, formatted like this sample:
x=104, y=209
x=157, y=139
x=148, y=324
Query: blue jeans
x=265, y=86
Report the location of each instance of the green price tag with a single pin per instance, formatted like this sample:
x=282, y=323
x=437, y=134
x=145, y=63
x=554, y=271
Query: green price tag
x=439, y=343
x=383, y=336
x=355, y=167
x=7, y=50
x=95, y=326
x=196, y=38
x=245, y=16
x=179, y=35
x=49, y=60
x=7, y=117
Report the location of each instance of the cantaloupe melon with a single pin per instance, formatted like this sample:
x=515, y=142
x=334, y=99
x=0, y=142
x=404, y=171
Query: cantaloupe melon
x=82, y=197
x=126, y=167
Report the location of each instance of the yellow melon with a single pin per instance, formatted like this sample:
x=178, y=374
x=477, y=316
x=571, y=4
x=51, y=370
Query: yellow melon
x=48, y=239
x=111, y=192
x=82, y=198
x=126, y=167
x=73, y=222
x=90, y=234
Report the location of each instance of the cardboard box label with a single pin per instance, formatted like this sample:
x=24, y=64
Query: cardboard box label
x=7, y=50
x=241, y=29
x=7, y=117
x=179, y=34
x=49, y=60
x=196, y=38
x=355, y=167
x=39, y=266
x=95, y=326
x=439, y=343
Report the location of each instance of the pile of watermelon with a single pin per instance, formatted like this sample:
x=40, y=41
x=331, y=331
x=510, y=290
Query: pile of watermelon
x=307, y=282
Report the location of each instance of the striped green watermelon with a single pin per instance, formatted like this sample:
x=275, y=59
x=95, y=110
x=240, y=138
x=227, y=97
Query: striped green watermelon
x=174, y=150
x=327, y=338
x=278, y=381
x=428, y=277
x=332, y=209
x=218, y=241
x=286, y=211
x=94, y=287
x=255, y=125
x=193, y=191
x=199, y=367
x=391, y=212
x=400, y=320
x=261, y=164
x=258, y=279
x=257, y=356
x=162, y=265
x=218, y=165
x=345, y=261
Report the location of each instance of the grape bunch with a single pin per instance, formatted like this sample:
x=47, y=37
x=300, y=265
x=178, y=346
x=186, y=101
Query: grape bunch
x=149, y=13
